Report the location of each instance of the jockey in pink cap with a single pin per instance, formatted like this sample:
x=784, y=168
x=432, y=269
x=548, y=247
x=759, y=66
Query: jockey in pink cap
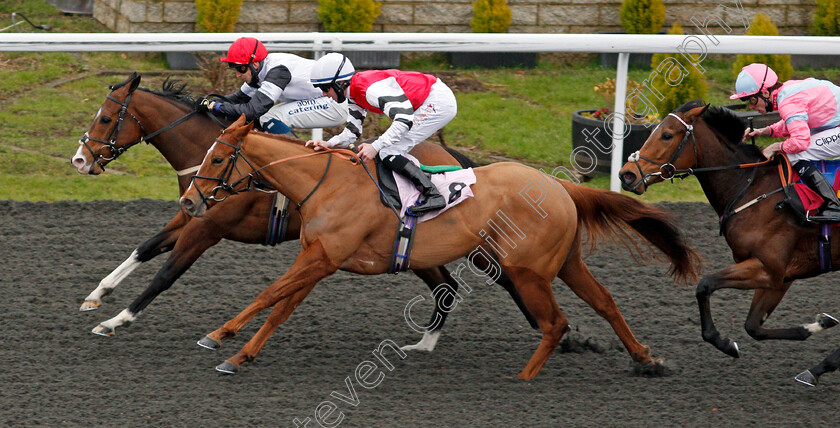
x=806, y=107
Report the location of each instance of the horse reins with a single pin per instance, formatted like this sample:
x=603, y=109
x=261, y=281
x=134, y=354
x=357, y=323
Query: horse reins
x=255, y=175
x=672, y=171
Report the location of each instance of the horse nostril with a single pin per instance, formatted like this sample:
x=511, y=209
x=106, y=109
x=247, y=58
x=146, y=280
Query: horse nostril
x=78, y=162
x=628, y=177
x=186, y=203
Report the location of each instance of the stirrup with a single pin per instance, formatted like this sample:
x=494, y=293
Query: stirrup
x=825, y=217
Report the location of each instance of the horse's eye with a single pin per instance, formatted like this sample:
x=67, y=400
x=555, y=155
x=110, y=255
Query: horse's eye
x=105, y=119
x=667, y=136
x=217, y=161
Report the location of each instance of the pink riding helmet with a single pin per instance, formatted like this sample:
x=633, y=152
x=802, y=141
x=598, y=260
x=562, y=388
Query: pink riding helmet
x=752, y=79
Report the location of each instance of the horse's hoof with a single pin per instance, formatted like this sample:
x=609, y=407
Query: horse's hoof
x=807, y=378
x=732, y=350
x=209, y=343
x=103, y=331
x=652, y=368
x=826, y=321
x=227, y=368
x=90, y=305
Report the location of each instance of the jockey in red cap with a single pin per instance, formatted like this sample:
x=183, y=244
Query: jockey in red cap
x=276, y=91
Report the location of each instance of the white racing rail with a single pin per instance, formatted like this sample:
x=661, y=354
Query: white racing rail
x=693, y=48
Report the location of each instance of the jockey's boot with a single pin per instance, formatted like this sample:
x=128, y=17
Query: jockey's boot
x=432, y=199
x=811, y=176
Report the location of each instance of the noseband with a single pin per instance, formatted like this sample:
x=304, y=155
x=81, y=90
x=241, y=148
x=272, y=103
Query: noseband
x=667, y=170
x=111, y=144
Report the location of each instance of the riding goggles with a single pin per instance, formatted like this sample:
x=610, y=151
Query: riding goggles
x=240, y=68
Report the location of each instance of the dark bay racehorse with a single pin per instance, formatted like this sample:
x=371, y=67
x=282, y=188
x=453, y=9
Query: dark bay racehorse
x=770, y=247
x=344, y=226
x=168, y=121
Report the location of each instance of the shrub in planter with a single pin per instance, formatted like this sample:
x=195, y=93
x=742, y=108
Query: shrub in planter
x=826, y=18
x=217, y=16
x=214, y=16
x=356, y=16
x=676, y=80
x=763, y=26
x=592, y=131
x=492, y=16
x=348, y=16
x=637, y=17
x=642, y=16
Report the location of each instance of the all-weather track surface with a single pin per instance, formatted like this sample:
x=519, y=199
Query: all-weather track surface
x=152, y=373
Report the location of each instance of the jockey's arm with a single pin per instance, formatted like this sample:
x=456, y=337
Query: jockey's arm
x=352, y=129
x=799, y=132
x=259, y=100
x=395, y=104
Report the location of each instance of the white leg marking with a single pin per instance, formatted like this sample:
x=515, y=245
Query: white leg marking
x=114, y=278
x=427, y=343
x=124, y=317
x=813, y=328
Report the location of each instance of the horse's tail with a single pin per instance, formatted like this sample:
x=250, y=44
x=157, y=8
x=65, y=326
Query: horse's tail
x=605, y=213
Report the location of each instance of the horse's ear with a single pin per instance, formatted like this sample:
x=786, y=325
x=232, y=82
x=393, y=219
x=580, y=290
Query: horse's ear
x=239, y=122
x=696, y=112
x=242, y=130
x=135, y=82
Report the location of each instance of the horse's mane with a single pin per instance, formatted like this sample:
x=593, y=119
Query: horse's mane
x=174, y=90
x=726, y=124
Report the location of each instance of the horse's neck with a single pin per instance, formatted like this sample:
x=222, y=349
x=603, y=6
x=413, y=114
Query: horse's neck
x=721, y=187
x=183, y=145
x=293, y=177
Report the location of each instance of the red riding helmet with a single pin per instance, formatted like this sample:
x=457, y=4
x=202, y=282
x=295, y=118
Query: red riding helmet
x=246, y=50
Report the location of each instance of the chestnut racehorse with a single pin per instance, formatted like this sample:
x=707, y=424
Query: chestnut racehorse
x=168, y=121
x=770, y=247
x=344, y=226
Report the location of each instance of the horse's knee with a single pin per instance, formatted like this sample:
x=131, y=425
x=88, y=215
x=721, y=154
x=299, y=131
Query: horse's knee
x=753, y=328
x=704, y=287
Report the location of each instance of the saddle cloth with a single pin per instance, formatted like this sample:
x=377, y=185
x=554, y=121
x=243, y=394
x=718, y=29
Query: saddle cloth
x=453, y=185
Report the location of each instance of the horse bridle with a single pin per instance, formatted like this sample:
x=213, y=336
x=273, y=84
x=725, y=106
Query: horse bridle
x=667, y=170
x=225, y=176
x=255, y=179
x=111, y=144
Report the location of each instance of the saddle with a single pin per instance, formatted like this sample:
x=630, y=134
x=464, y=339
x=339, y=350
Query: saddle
x=807, y=200
x=391, y=197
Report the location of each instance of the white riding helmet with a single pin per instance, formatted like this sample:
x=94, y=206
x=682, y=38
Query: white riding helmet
x=330, y=68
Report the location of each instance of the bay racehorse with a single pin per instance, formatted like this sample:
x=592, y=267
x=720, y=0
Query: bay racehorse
x=344, y=226
x=167, y=119
x=770, y=247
